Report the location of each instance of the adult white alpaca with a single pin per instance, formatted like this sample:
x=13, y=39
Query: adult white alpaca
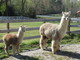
x=14, y=40
x=54, y=31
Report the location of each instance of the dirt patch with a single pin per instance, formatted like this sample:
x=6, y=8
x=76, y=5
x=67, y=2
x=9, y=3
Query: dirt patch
x=67, y=52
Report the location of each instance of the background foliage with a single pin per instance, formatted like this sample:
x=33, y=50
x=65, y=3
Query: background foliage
x=32, y=7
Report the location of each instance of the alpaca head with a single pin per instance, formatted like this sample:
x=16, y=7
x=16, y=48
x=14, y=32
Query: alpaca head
x=22, y=28
x=66, y=15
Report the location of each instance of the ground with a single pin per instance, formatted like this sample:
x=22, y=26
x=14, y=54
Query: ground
x=67, y=52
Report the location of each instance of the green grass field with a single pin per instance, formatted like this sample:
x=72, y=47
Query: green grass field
x=34, y=43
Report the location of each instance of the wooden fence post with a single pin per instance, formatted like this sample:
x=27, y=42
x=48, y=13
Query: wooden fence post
x=8, y=28
x=69, y=27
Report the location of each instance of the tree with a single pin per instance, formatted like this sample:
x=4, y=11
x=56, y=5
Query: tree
x=32, y=7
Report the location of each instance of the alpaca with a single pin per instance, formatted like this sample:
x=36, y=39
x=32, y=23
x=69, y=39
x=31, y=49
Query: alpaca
x=55, y=32
x=14, y=40
x=78, y=13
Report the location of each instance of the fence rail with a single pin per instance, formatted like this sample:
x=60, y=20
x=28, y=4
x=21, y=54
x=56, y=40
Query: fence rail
x=15, y=30
x=74, y=25
x=25, y=19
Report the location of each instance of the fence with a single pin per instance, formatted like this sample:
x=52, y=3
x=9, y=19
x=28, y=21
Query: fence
x=25, y=19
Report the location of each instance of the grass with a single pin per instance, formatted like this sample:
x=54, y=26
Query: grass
x=34, y=43
x=30, y=44
x=72, y=39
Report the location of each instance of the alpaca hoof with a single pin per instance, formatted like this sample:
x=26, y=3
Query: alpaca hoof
x=53, y=52
x=42, y=49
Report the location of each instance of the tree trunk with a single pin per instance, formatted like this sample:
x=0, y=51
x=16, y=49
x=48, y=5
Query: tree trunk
x=23, y=1
x=6, y=7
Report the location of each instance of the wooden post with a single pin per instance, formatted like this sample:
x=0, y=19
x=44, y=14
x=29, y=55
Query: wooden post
x=8, y=28
x=69, y=27
x=7, y=15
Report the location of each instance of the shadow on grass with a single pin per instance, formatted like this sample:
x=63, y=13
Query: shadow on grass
x=22, y=57
x=69, y=54
x=47, y=49
x=66, y=53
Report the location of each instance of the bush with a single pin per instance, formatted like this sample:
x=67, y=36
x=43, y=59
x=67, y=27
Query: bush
x=2, y=9
x=9, y=11
x=32, y=13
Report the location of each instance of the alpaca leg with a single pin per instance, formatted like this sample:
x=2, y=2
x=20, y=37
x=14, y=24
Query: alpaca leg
x=14, y=49
x=43, y=41
x=58, y=48
x=58, y=44
x=54, y=47
x=17, y=48
x=7, y=49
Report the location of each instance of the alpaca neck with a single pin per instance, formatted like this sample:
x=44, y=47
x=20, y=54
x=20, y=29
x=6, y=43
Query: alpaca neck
x=20, y=35
x=63, y=26
x=63, y=23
